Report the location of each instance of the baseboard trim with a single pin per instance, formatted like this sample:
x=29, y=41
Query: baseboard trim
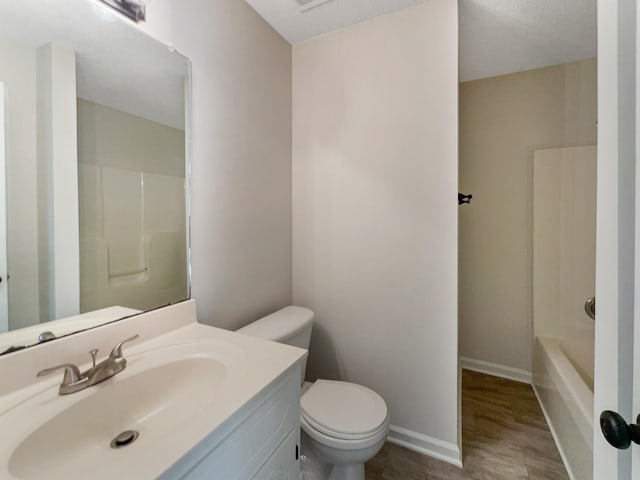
x=432, y=447
x=564, y=458
x=510, y=373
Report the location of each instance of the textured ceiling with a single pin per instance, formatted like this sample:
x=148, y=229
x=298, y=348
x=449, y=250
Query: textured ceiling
x=496, y=36
x=117, y=65
x=296, y=25
x=505, y=36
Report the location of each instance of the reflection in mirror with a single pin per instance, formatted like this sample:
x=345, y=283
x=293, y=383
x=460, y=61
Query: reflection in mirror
x=94, y=122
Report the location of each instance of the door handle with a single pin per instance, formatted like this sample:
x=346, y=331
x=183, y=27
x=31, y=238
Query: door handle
x=617, y=431
x=590, y=307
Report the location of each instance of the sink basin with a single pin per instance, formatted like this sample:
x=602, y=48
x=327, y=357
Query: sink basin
x=162, y=395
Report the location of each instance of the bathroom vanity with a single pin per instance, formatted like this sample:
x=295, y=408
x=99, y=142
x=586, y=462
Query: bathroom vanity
x=193, y=402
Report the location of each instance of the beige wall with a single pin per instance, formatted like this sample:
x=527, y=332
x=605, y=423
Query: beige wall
x=374, y=213
x=111, y=138
x=502, y=120
x=241, y=156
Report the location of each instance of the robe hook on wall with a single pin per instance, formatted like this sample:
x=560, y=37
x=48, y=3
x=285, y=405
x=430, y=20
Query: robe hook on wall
x=463, y=198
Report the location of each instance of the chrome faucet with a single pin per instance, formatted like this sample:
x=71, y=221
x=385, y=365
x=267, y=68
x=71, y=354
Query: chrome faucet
x=74, y=381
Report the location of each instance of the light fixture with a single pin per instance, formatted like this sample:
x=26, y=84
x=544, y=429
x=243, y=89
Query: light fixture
x=133, y=9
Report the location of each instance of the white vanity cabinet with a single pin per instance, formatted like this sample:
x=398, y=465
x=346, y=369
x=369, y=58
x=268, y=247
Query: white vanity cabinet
x=260, y=441
x=278, y=466
x=207, y=404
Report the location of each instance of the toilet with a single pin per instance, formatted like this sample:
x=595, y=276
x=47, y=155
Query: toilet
x=343, y=423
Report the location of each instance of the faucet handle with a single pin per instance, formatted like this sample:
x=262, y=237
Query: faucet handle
x=94, y=354
x=71, y=373
x=116, y=353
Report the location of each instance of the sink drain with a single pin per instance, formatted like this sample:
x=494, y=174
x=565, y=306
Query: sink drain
x=124, y=439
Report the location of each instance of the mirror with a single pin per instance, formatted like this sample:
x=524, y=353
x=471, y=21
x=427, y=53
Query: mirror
x=93, y=222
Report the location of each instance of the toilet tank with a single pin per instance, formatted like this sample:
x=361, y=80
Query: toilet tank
x=290, y=325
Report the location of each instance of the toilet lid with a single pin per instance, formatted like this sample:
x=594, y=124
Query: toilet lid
x=343, y=410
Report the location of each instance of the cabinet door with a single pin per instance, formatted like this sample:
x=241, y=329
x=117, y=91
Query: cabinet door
x=283, y=464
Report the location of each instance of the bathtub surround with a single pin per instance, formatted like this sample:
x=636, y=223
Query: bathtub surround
x=567, y=403
x=375, y=214
x=564, y=251
x=502, y=121
x=132, y=210
x=241, y=156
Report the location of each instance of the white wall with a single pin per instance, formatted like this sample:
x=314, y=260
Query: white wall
x=241, y=156
x=502, y=120
x=57, y=182
x=375, y=213
x=18, y=72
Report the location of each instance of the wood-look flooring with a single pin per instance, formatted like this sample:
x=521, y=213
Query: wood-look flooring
x=504, y=437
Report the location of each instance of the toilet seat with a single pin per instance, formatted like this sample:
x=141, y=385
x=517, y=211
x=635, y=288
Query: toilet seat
x=344, y=412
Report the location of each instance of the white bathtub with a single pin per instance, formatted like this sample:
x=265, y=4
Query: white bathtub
x=567, y=403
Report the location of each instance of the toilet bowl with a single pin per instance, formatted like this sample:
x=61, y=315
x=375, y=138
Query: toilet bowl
x=343, y=423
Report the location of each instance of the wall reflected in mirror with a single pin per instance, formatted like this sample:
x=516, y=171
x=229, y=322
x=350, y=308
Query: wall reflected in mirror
x=95, y=154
